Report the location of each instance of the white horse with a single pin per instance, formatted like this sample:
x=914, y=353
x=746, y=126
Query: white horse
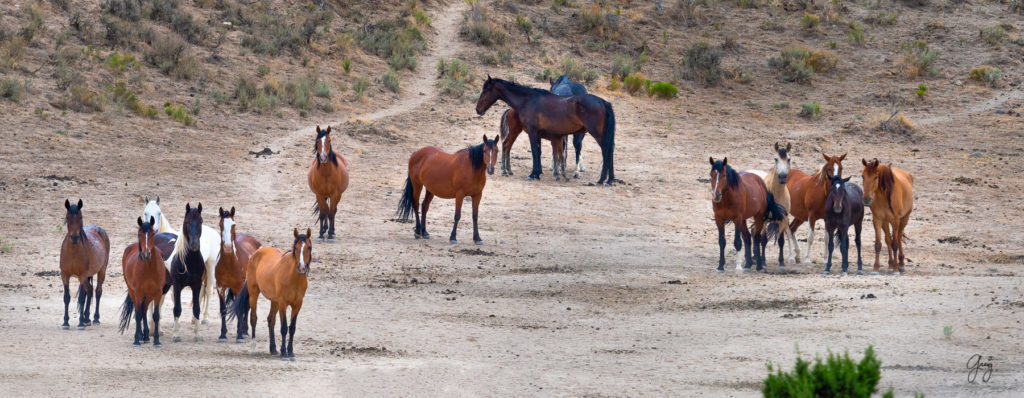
x=209, y=246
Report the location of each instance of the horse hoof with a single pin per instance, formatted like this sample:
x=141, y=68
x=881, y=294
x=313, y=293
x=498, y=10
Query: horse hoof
x=197, y=339
x=291, y=358
x=65, y=327
x=330, y=237
x=175, y=339
x=901, y=270
x=479, y=242
x=720, y=271
x=826, y=272
x=157, y=345
x=782, y=269
x=844, y=273
x=426, y=236
x=239, y=341
x=222, y=339
x=453, y=241
x=284, y=359
x=205, y=322
x=860, y=272
x=137, y=344
x=274, y=352
x=97, y=321
x=81, y=327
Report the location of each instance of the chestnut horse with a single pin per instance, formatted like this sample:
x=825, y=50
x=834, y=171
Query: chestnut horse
x=807, y=195
x=844, y=207
x=235, y=251
x=281, y=278
x=188, y=269
x=735, y=198
x=447, y=176
x=147, y=279
x=511, y=126
x=328, y=179
x=890, y=193
x=83, y=254
x=545, y=113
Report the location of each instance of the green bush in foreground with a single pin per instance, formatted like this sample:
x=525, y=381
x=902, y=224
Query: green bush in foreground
x=837, y=376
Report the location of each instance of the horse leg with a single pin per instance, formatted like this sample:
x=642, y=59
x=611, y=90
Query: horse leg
x=889, y=247
x=284, y=332
x=535, y=150
x=829, y=246
x=322, y=210
x=506, y=153
x=291, y=333
x=426, y=206
x=844, y=247
x=177, y=313
x=878, y=242
x=223, y=317
x=88, y=300
x=795, y=246
x=762, y=234
x=99, y=293
x=197, y=291
x=145, y=324
x=721, y=244
x=417, y=230
x=746, y=244
x=334, y=212
x=557, y=156
x=899, y=242
x=67, y=301
x=810, y=241
x=781, y=241
x=254, y=295
x=856, y=240
x=140, y=312
x=458, y=215
x=476, y=208
x=156, y=323
x=577, y=143
x=737, y=243
x=82, y=293
x=270, y=326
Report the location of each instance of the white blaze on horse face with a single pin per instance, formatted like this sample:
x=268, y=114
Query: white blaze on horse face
x=323, y=148
x=302, y=259
x=226, y=233
x=714, y=190
x=835, y=169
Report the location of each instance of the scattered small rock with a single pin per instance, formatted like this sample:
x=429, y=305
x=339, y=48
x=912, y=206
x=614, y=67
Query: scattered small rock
x=965, y=181
x=867, y=296
x=675, y=282
x=976, y=154
x=265, y=152
x=951, y=239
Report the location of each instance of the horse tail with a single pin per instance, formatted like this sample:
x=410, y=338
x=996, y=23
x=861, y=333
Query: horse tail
x=240, y=308
x=126, y=313
x=772, y=231
x=773, y=212
x=316, y=209
x=81, y=294
x=405, y=206
x=609, y=126
x=503, y=130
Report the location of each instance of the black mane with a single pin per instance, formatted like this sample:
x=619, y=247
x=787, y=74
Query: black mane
x=731, y=176
x=782, y=153
x=476, y=156
x=521, y=89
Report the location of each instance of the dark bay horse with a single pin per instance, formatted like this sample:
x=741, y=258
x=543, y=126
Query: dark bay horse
x=735, y=198
x=235, y=251
x=448, y=176
x=511, y=126
x=281, y=278
x=807, y=196
x=147, y=279
x=843, y=207
x=188, y=267
x=890, y=194
x=542, y=112
x=328, y=179
x=84, y=253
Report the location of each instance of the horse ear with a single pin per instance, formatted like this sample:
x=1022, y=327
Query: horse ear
x=485, y=138
x=551, y=81
x=140, y=221
x=67, y=204
x=158, y=200
x=842, y=157
x=200, y=207
x=232, y=211
x=711, y=160
x=489, y=77
x=309, y=233
x=847, y=179
x=725, y=161
x=788, y=146
x=825, y=156
x=188, y=207
x=80, y=201
x=318, y=129
x=328, y=129
x=152, y=220
x=296, y=233
x=496, y=137
x=145, y=199
x=776, y=145
x=220, y=211
x=864, y=161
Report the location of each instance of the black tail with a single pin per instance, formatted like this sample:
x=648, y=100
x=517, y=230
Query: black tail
x=126, y=313
x=405, y=207
x=609, y=129
x=316, y=210
x=241, y=305
x=772, y=231
x=773, y=212
x=503, y=129
x=81, y=296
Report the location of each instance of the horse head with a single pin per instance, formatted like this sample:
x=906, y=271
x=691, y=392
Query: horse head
x=721, y=169
x=322, y=145
x=833, y=166
x=302, y=251
x=488, y=95
x=193, y=226
x=146, y=240
x=73, y=219
x=490, y=152
x=782, y=162
x=837, y=193
x=227, y=230
x=152, y=210
x=877, y=178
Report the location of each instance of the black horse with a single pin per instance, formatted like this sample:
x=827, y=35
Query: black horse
x=844, y=206
x=544, y=114
x=188, y=267
x=511, y=126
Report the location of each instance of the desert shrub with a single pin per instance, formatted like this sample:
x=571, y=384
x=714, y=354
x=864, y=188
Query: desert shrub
x=822, y=61
x=920, y=58
x=731, y=41
x=300, y=93
x=663, y=90
x=181, y=22
x=883, y=18
x=360, y=86
x=691, y=12
x=545, y=74
x=127, y=10
x=35, y=22
x=273, y=34
x=11, y=51
x=121, y=63
x=179, y=114
x=855, y=34
x=792, y=65
x=391, y=79
x=702, y=62
x=120, y=94
x=809, y=110
x=993, y=35
x=246, y=92
x=837, y=376
x=809, y=21
x=985, y=74
x=478, y=27
x=262, y=70
x=170, y=54
x=922, y=89
x=1017, y=6
x=346, y=65
x=615, y=85
x=592, y=18
x=394, y=42
x=11, y=90
x=82, y=99
x=625, y=64
x=526, y=26
x=500, y=56
x=896, y=122
x=634, y=82
x=421, y=17
x=453, y=75
x=577, y=71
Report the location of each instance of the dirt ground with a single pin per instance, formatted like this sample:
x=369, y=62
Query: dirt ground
x=579, y=290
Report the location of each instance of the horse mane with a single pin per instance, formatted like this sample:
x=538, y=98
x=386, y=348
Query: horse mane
x=886, y=183
x=521, y=89
x=476, y=155
x=819, y=177
x=179, y=247
x=731, y=176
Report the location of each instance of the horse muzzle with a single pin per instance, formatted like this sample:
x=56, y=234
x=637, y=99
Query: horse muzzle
x=145, y=256
x=782, y=179
x=323, y=159
x=717, y=198
x=75, y=238
x=867, y=201
x=302, y=270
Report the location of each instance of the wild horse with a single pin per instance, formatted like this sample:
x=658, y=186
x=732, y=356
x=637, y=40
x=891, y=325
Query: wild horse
x=890, y=193
x=844, y=208
x=511, y=126
x=83, y=254
x=735, y=198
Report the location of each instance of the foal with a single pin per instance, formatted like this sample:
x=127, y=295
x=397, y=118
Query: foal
x=84, y=253
x=843, y=207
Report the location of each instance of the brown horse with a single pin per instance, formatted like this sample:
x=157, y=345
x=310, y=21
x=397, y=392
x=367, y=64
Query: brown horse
x=447, y=176
x=147, y=279
x=545, y=113
x=281, y=278
x=807, y=195
x=235, y=251
x=83, y=254
x=328, y=179
x=511, y=126
x=735, y=198
x=890, y=194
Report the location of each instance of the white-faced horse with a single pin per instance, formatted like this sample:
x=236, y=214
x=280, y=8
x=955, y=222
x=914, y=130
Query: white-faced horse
x=775, y=180
x=209, y=246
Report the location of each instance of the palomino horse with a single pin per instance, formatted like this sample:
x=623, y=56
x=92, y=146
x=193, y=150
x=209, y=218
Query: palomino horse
x=235, y=251
x=168, y=236
x=328, y=179
x=511, y=126
x=147, y=278
x=890, y=193
x=188, y=268
x=542, y=112
x=737, y=198
x=807, y=197
x=447, y=176
x=843, y=207
x=281, y=278
x=775, y=180
x=84, y=253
